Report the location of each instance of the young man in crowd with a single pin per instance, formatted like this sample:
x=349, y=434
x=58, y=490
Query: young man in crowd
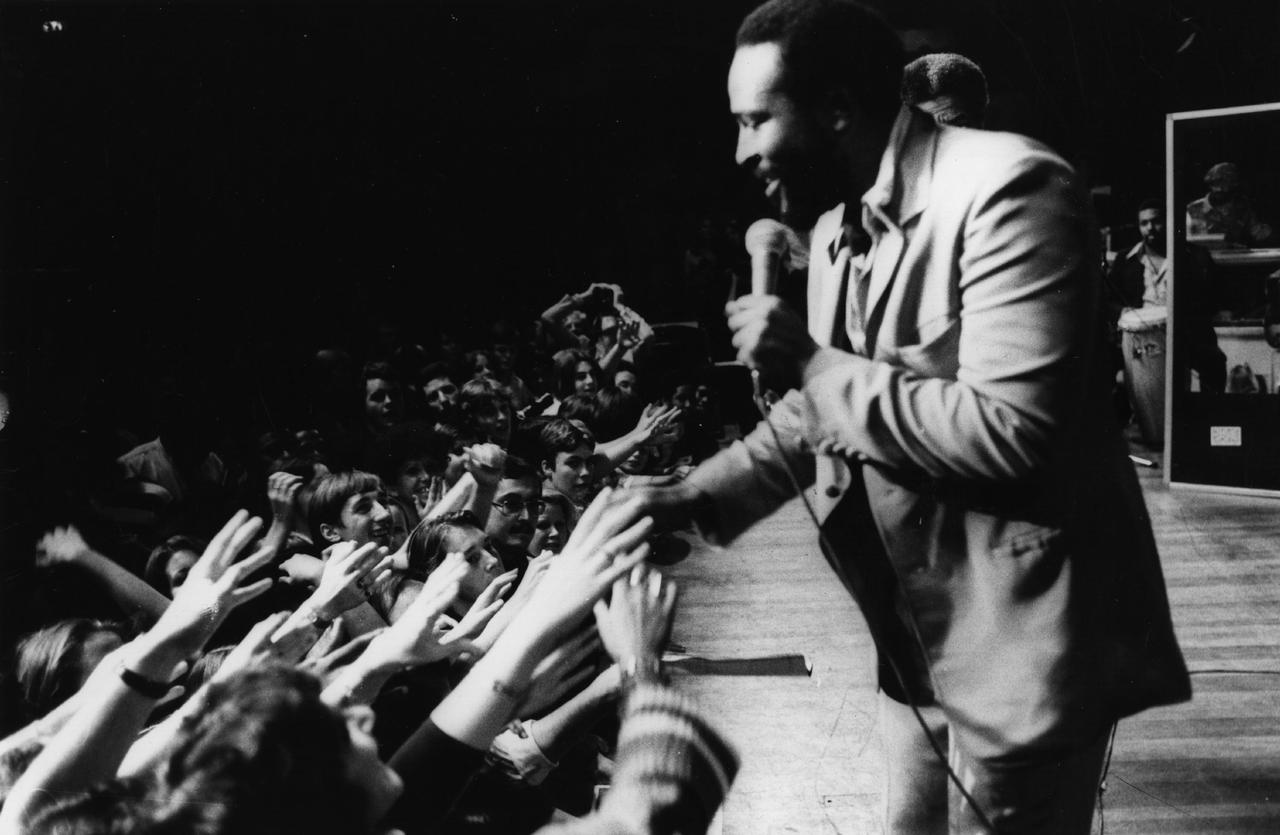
x=568, y=461
x=345, y=507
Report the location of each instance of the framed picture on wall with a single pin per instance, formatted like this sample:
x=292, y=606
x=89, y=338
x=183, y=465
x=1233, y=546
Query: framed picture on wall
x=1221, y=386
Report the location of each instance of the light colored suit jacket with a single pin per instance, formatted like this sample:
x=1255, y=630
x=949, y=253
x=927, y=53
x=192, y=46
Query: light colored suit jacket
x=972, y=416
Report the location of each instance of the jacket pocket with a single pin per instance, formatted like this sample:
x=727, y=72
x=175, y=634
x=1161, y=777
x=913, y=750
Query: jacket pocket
x=1034, y=560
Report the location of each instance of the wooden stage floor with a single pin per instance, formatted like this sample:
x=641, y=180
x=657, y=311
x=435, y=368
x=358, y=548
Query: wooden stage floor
x=809, y=746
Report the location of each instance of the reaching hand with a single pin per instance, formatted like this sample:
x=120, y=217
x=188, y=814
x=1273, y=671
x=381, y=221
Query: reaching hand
x=629, y=333
x=212, y=588
x=534, y=571
x=485, y=606
x=414, y=638
x=486, y=462
x=671, y=507
x=324, y=664
x=607, y=543
x=426, y=501
x=656, y=422
x=636, y=622
x=282, y=492
x=562, y=672
x=302, y=570
x=254, y=650
x=60, y=545
x=351, y=576
x=450, y=571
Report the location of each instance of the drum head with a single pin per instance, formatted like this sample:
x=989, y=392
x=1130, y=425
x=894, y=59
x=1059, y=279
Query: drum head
x=1143, y=318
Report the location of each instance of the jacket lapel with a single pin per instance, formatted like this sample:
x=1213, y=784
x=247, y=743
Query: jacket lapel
x=900, y=195
x=824, y=275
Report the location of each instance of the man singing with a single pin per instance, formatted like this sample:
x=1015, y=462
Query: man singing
x=942, y=400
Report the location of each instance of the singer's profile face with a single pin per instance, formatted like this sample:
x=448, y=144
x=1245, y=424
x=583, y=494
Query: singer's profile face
x=779, y=141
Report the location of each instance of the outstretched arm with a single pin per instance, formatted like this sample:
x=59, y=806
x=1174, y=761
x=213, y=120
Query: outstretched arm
x=528, y=666
x=91, y=746
x=655, y=424
x=128, y=591
x=673, y=768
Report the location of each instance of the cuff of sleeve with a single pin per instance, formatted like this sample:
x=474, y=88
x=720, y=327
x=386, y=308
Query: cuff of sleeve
x=519, y=751
x=822, y=360
x=703, y=512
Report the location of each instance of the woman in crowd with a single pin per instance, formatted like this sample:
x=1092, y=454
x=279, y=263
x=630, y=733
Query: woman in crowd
x=54, y=662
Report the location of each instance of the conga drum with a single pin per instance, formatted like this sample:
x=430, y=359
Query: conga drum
x=1142, y=340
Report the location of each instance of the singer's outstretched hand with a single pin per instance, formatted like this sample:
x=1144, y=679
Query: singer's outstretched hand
x=771, y=338
x=671, y=507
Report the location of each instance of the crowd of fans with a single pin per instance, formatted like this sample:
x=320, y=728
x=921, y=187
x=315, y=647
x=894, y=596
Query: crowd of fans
x=421, y=605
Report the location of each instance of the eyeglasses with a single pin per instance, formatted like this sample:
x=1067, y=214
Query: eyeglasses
x=512, y=505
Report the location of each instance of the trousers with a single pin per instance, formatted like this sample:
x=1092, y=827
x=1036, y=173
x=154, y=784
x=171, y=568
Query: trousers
x=1045, y=793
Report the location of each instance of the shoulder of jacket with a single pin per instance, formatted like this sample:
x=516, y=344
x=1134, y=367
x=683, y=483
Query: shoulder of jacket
x=994, y=149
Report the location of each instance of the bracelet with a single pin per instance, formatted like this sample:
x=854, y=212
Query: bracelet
x=636, y=669
x=142, y=685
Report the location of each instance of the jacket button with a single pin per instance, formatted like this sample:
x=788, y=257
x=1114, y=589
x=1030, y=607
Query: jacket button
x=833, y=492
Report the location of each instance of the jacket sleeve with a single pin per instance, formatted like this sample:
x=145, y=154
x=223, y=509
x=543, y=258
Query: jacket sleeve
x=1026, y=299
x=749, y=480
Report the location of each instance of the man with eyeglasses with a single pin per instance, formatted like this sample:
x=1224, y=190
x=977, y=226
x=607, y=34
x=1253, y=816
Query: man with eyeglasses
x=516, y=505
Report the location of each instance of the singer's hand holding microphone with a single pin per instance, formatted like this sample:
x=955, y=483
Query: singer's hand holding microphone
x=770, y=337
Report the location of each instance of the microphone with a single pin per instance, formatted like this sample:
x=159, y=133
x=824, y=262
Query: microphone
x=767, y=242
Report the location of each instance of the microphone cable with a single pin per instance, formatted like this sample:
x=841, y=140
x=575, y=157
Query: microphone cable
x=829, y=552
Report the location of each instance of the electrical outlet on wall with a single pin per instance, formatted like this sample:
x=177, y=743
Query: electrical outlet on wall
x=1225, y=436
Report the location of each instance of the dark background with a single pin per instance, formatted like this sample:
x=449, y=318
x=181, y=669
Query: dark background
x=174, y=170
x=197, y=195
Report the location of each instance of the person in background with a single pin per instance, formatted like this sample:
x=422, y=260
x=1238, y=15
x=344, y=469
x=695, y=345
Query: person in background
x=54, y=662
x=551, y=531
x=514, y=513
x=1141, y=275
x=1226, y=210
x=485, y=409
x=625, y=379
x=567, y=465
x=1141, y=278
x=383, y=397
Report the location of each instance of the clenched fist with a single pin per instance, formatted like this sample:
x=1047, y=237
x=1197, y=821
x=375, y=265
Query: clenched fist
x=771, y=338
